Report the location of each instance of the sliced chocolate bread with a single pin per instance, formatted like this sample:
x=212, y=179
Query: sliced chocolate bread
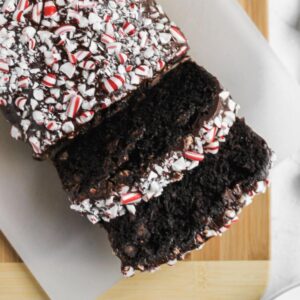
x=63, y=62
x=202, y=205
x=162, y=134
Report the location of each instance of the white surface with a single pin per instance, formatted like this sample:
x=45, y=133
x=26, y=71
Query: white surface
x=285, y=226
x=285, y=40
x=70, y=258
x=285, y=33
x=289, y=294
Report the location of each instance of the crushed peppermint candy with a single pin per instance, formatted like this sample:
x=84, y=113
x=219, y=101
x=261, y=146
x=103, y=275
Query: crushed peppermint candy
x=99, y=50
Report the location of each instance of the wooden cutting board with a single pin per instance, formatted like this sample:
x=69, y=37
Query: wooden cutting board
x=247, y=243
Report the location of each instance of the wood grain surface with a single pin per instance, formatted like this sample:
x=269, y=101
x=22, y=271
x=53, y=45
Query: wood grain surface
x=247, y=240
x=211, y=280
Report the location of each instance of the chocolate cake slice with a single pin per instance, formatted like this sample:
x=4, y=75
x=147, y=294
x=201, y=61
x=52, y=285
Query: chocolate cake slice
x=202, y=205
x=164, y=132
x=63, y=62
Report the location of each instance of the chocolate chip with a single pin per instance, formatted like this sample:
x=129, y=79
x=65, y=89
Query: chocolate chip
x=130, y=251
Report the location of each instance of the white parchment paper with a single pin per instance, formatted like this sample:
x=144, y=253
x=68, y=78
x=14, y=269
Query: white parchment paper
x=69, y=257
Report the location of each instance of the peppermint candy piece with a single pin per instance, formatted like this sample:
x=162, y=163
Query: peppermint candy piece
x=37, y=12
x=23, y=82
x=87, y=65
x=38, y=117
x=261, y=187
x=165, y=38
x=160, y=65
x=178, y=35
x=210, y=136
x=212, y=148
x=114, y=83
x=229, y=118
x=52, y=126
x=192, y=155
x=224, y=95
x=15, y=133
x=18, y=16
x=21, y=102
x=122, y=58
x=68, y=69
x=107, y=39
x=179, y=165
x=4, y=67
x=8, y=6
x=31, y=44
x=68, y=127
x=182, y=51
x=93, y=219
x=35, y=143
x=74, y=106
x=109, y=29
x=81, y=55
x=82, y=4
x=142, y=71
x=129, y=29
x=72, y=58
x=85, y=117
x=130, y=198
x=3, y=102
x=64, y=29
x=143, y=35
x=49, y=80
x=49, y=9
x=113, y=48
x=22, y=5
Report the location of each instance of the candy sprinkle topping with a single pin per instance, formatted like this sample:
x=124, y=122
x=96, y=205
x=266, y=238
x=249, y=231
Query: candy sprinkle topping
x=74, y=53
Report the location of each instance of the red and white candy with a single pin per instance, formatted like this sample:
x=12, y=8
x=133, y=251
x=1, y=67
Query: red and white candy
x=182, y=51
x=82, y=54
x=211, y=135
x=23, y=82
x=85, y=117
x=31, y=44
x=107, y=39
x=74, y=106
x=8, y=6
x=178, y=35
x=72, y=58
x=114, y=83
x=142, y=71
x=130, y=198
x=52, y=125
x=122, y=58
x=160, y=65
x=4, y=67
x=37, y=12
x=64, y=29
x=49, y=80
x=22, y=5
x=68, y=69
x=50, y=9
x=192, y=155
x=212, y=148
x=18, y=16
x=35, y=143
x=129, y=29
x=21, y=102
x=87, y=65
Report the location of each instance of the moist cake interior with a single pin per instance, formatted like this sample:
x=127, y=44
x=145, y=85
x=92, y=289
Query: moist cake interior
x=153, y=123
x=165, y=228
